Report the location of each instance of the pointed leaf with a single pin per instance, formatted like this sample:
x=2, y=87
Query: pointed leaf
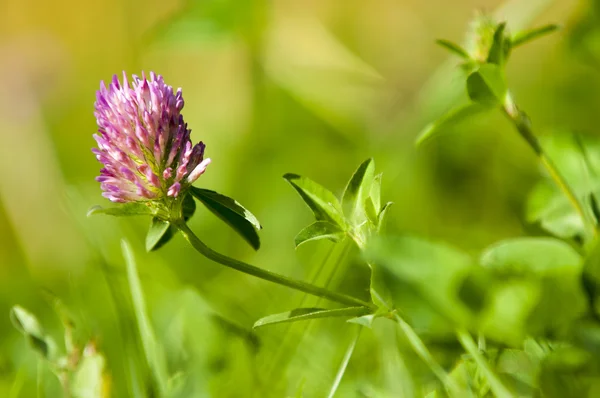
x=357, y=191
x=319, y=230
x=28, y=325
x=383, y=216
x=376, y=192
x=528, y=35
x=365, y=320
x=498, y=50
x=453, y=48
x=302, y=314
x=370, y=210
x=232, y=213
x=450, y=120
x=126, y=209
x=159, y=233
x=487, y=85
x=321, y=201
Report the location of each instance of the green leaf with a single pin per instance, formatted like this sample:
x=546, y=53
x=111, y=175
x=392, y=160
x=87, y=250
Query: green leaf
x=487, y=85
x=549, y=273
x=499, y=48
x=562, y=371
x=365, y=320
x=421, y=277
x=321, y=201
x=302, y=314
x=382, y=217
x=453, y=48
x=125, y=209
x=159, y=233
x=578, y=160
x=158, y=236
x=88, y=379
x=319, y=230
x=532, y=34
x=450, y=120
x=232, y=213
x=375, y=194
x=530, y=255
x=28, y=325
x=152, y=349
x=357, y=191
x=370, y=211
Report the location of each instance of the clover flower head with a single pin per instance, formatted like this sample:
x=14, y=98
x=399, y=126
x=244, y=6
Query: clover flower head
x=143, y=141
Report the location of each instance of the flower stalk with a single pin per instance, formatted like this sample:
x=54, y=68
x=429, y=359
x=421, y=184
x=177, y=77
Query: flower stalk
x=237, y=265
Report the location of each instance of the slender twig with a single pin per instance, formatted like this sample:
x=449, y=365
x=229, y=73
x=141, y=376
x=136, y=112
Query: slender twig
x=237, y=265
x=521, y=122
x=469, y=345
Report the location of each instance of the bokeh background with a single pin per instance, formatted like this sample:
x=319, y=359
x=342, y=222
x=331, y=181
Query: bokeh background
x=310, y=87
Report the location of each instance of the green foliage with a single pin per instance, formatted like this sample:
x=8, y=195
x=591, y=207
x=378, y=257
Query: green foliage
x=523, y=37
x=320, y=230
x=520, y=319
x=453, y=48
x=453, y=118
x=577, y=159
x=422, y=279
x=487, y=85
x=159, y=233
x=357, y=194
x=232, y=213
x=550, y=271
x=28, y=325
x=302, y=314
x=323, y=203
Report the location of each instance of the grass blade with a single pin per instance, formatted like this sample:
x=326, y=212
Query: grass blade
x=344, y=365
x=152, y=351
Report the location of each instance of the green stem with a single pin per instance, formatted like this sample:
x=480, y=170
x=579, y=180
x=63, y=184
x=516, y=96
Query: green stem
x=344, y=365
x=264, y=274
x=423, y=353
x=495, y=384
x=523, y=126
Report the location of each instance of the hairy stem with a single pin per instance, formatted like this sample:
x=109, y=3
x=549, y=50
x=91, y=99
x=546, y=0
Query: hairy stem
x=523, y=126
x=264, y=274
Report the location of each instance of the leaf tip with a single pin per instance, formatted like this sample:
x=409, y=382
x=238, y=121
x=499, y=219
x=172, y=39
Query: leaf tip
x=425, y=134
x=290, y=176
x=94, y=210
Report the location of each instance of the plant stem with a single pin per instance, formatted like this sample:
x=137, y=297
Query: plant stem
x=423, y=353
x=523, y=126
x=495, y=384
x=344, y=365
x=237, y=265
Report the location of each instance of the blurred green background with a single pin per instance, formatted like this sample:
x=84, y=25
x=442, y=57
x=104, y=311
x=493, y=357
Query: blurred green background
x=310, y=87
